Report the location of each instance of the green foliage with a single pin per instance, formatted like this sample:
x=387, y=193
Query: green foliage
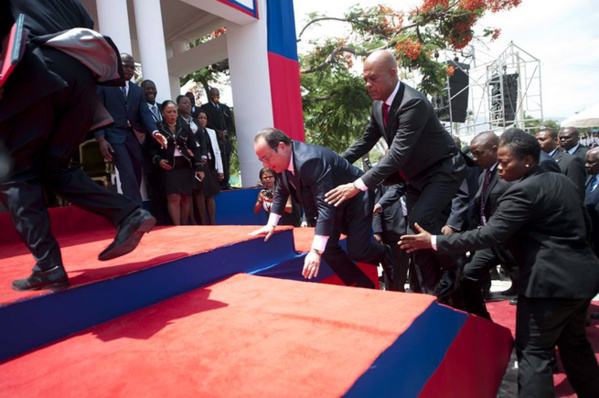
x=336, y=105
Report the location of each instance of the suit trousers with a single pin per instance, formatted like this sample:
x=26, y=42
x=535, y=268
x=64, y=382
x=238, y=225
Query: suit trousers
x=429, y=204
x=355, y=221
x=128, y=159
x=543, y=323
x=41, y=140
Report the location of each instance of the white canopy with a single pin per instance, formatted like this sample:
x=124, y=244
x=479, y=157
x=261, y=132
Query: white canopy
x=587, y=118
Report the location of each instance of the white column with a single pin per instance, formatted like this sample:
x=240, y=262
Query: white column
x=150, y=37
x=174, y=48
x=113, y=21
x=250, y=84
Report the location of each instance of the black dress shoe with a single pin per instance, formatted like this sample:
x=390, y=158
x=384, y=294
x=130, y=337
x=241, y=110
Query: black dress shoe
x=389, y=265
x=448, y=284
x=128, y=234
x=54, y=279
x=514, y=301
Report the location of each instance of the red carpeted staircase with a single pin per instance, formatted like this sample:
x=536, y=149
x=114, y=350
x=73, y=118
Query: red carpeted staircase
x=191, y=313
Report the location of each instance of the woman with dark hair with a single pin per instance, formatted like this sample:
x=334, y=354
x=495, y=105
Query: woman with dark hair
x=205, y=190
x=540, y=220
x=177, y=152
x=293, y=211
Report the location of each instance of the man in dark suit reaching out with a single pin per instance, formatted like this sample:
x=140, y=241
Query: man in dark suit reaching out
x=308, y=172
x=421, y=152
x=540, y=220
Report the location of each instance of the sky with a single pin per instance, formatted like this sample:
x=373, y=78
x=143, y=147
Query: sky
x=562, y=35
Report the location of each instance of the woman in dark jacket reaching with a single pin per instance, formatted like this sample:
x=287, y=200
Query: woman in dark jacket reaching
x=178, y=153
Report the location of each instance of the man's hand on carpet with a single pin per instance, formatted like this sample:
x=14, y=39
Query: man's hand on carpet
x=267, y=230
x=340, y=194
x=311, y=265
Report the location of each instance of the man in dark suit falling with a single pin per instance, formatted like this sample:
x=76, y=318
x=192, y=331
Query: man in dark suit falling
x=308, y=172
x=421, y=152
x=120, y=143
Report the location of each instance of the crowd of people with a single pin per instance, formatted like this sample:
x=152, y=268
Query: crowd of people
x=520, y=201
x=527, y=203
x=182, y=151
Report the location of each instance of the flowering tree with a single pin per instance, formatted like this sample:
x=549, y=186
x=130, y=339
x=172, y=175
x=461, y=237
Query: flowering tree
x=336, y=106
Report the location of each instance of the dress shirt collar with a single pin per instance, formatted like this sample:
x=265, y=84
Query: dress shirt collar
x=552, y=153
x=573, y=149
x=290, y=167
x=492, y=168
x=389, y=100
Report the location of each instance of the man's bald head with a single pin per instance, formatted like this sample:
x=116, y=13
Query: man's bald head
x=591, y=161
x=380, y=74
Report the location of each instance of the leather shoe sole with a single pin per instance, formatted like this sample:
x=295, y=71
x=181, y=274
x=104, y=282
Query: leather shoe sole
x=128, y=234
x=53, y=279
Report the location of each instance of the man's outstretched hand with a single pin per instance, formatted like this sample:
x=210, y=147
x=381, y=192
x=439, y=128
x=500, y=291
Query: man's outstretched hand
x=340, y=194
x=267, y=230
x=411, y=243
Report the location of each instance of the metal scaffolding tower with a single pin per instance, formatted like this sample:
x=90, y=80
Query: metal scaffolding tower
x=504, y=92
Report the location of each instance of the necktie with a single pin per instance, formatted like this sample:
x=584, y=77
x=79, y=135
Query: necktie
x=593, y=184
x=293, y=184
x=124, y=90
x=155, y=112
x=483, y=193
x=385, y=113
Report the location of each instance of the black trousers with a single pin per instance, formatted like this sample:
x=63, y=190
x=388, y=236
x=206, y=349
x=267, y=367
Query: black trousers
x=543, y=323
x=41, y=141
x=429, y=204
x=355, y=221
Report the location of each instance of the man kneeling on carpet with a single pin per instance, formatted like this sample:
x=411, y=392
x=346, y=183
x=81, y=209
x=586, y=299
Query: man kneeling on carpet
x=308, y=172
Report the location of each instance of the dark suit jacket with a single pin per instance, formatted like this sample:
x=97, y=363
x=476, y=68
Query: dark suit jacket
x=417, y=141
x=218, y=120
x=462, y=205
x=591, y=202
x=134, y=110
x=32, y=80
x=573, y=168
x=547, y=163
x=319, y=170
x=183, y=140
x=542, y=222
x=391, y=223
x=581, y=152
x=495, y=189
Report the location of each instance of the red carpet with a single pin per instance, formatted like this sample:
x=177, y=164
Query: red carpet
x=504, y=314
x=83, y=235
x=247, y=336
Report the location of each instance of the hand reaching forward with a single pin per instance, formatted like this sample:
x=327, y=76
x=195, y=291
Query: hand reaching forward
x=411, y=243
x=267, y=230
x=340, y=194
x=161, y=139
